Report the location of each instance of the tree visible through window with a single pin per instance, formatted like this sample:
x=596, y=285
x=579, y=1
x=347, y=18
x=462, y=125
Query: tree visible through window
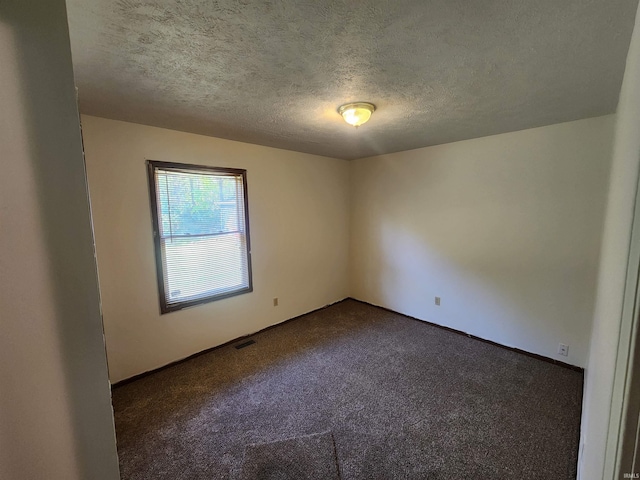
x=201, y=233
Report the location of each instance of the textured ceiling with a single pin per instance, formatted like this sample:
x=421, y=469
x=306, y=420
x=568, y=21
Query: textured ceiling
x=274, y=72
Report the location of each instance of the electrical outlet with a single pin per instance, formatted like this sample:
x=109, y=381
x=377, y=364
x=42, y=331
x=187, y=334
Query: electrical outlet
x=563, y=349
x=275, y=302
x=438, y=301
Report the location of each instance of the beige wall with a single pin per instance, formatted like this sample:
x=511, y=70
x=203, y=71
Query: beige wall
x=611, y=330
x=298, y=210
x=56, y=421
x=505, y=229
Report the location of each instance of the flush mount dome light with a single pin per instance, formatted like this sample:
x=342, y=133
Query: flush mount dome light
x=357, y=113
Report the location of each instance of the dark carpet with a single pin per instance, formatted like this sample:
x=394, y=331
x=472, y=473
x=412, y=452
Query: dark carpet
x=403, y=399
x=311, y=457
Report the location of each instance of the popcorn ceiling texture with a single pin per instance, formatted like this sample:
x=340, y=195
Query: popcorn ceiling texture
x=274, y=72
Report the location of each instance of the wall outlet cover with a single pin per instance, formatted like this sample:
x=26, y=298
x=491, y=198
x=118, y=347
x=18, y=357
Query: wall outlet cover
x=438, y=301
x=563, y=349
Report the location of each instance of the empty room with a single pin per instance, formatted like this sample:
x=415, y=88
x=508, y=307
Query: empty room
x=319, y=239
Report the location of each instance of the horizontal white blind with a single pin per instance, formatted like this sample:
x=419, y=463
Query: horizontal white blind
x=202, y=233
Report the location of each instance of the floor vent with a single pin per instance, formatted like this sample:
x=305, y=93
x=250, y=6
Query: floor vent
x=244, y=344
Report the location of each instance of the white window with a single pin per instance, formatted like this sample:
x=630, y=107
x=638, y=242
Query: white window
x=201, y=233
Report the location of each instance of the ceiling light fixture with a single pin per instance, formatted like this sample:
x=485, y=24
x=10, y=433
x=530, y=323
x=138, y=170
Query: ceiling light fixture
x=357, y=113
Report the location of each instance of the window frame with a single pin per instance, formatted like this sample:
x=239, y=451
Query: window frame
x=152, y=166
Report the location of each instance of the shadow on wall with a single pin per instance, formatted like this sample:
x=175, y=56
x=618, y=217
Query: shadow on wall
x=510, y=244
x=508, y=303
x=52, y=130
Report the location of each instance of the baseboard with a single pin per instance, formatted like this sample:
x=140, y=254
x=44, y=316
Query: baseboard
x=138, y=376
x=243, y=337
x=484, y=340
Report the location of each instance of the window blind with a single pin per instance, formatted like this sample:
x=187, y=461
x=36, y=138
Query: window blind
x=201, y=229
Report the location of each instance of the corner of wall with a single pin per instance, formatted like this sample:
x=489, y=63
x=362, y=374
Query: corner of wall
x=601, y=403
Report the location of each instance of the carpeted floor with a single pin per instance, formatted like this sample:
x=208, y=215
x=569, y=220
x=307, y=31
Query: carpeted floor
x=310, y=457
x=402, y=399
